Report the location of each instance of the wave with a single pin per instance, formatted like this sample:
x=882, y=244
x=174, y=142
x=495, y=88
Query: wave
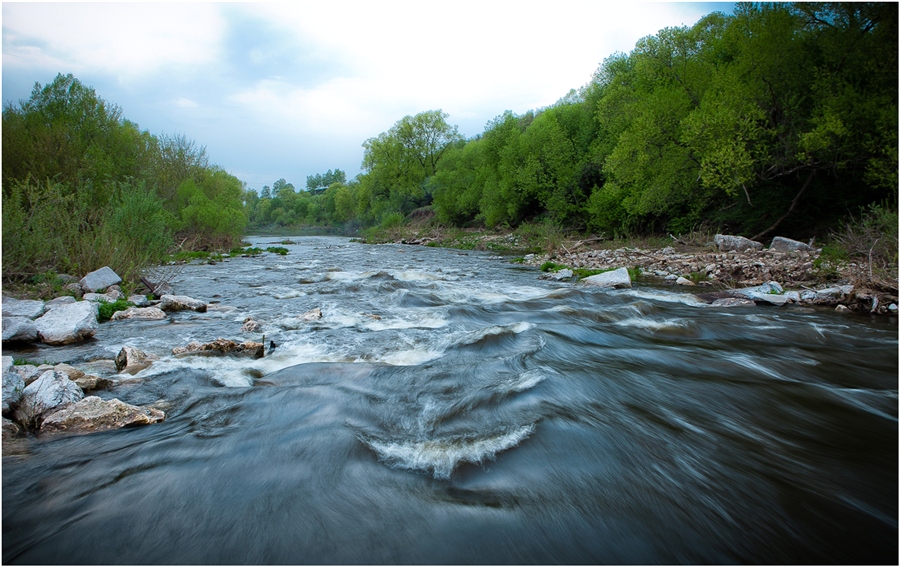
x=441, y=456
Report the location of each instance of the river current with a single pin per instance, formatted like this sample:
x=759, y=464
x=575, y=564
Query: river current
x=450, y=407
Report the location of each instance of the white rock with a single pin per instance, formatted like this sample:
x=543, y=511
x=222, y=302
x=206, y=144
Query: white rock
x=783, y=244
x=145, y=313
x=100, y=279
x=181, y=303
x=68, y=324
x=727, y=242
x=50, y=392
x=733, y=302
x=139, y=300
x=29, y=308
x=684, y=281
x=793, y=296
x=615, y=278
x=62, y=300
x=892, y=307
x=94, y=414
x=8, y=363
x=19, y=329
x=13, y=387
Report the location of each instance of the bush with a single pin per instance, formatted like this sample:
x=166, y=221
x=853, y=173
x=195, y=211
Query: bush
x=107, y=308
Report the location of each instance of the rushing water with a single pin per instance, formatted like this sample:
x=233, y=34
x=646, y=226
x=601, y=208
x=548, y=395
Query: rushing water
x=452, y=408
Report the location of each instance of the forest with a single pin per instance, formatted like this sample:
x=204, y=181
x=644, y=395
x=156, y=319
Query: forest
x=778, y=118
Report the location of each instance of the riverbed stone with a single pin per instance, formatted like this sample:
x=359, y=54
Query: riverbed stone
x=725, y=242
x=13, y=389
x=783, y=244
x=67, y=324
x=99, y=280
x=615, y=278
x=61, y=300
x=139, y=300
x=92, y=382
x=181, y=303
x=683, y=281
x=11, y=429
x=95, y=414
x=28, y=372
x=221, y=346
x=251, y=326
x=69, y=370
x=733, y=302
x=47, y=394
x=28, y=308
x=132, y=360
x=7, y=364
x=19, y=329
x=142, y=313
x=75, y=289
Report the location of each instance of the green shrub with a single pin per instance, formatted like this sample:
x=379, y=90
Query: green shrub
x=107, y=308
x=277, y=250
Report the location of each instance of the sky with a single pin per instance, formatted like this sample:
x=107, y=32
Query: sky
x=292, y=89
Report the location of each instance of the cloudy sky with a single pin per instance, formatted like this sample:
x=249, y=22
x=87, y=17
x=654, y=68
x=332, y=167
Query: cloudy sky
x=290, y=89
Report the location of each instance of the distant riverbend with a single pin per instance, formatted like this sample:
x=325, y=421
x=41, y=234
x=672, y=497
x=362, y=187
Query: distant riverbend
x=451, y=407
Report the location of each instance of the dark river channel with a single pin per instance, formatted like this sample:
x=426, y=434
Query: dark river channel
x=450, y=407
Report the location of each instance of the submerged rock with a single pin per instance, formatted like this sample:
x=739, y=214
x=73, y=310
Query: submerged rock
x=733, y=302
x=94, y=414
x=251, y=349
x=68, y=324
x=615, y=278
x=251, y=326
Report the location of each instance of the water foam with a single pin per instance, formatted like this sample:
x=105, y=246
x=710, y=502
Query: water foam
x=441, y=456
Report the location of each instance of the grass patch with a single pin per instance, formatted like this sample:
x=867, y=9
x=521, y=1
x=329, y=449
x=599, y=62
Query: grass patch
x=277, y=250
x=107, y=308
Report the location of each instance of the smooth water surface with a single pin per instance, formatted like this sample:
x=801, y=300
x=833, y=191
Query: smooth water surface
x=450, y=407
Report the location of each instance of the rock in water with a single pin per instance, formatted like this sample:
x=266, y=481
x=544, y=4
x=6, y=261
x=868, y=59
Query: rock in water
x=68, y=324
x=94, y=414
x=13, y=388
x=47, y=394
x=132, y=360
x=141, y=313
x=615, y=278
x=251, y=349
x=181, y=303
x=99, y=279
x=19, y=329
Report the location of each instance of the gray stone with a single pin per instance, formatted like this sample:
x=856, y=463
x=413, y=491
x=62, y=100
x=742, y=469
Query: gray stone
x=726, y=242
x=615, y=278
x=94, y=414
x=139, y=300
x=28, y=308
x=684, y=281
x=92, y=382
x=62, y=300
x=892, y=307
x=829, y=293
x=793, y=296
x=114, y=295
x=181, y=303
x=8, y=363
x=69, y=370
x=100, y=279
x=19, y=329
x=733, y=302
x=145, y=313
x=68, y=324
x=28, y=372
x=13, y=387
x=97, y=297
x=807, y=295
x=47, y=394
x=250, y=349
x=783, y=244
x=564, y=274
x=75, y=289
x=132, y=360
x=767, y=298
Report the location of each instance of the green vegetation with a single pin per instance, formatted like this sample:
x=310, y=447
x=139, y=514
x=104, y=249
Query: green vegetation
x=277, y=250
x=107, y=308
x=83, y=188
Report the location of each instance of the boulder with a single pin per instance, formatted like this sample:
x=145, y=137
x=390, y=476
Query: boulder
x=8, y=363
x=28, y=308
x=313, y=314
x=615, y=278
x=725, y=242
x=28, y=372
x=139, y=300
x=181, y=303
x=132, y=360
x=114, y=294
x=783, y=244
x=99, y=279
x=564, y=274
x=251, y=326
x=251, y=349
x=74, y=289
x=19, y=329
x=684, y=281
x=66, y=324
x=70, y=371
x=47, y=394
x=62, y=300
x=13, y=387
x=11, y=429
x=92, y=382
x=145, y=313
x=94, y=414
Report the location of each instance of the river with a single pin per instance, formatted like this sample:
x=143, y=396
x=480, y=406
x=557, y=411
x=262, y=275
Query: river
x=450, y=407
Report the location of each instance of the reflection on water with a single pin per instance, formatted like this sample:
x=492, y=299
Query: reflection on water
x=453, y=408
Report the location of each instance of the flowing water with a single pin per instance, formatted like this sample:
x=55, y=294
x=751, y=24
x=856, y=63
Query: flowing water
x=450, y=407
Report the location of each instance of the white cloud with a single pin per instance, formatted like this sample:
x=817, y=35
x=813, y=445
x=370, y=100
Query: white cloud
x=126, y=40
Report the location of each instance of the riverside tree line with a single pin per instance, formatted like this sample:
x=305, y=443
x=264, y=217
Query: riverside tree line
x=778, y=117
